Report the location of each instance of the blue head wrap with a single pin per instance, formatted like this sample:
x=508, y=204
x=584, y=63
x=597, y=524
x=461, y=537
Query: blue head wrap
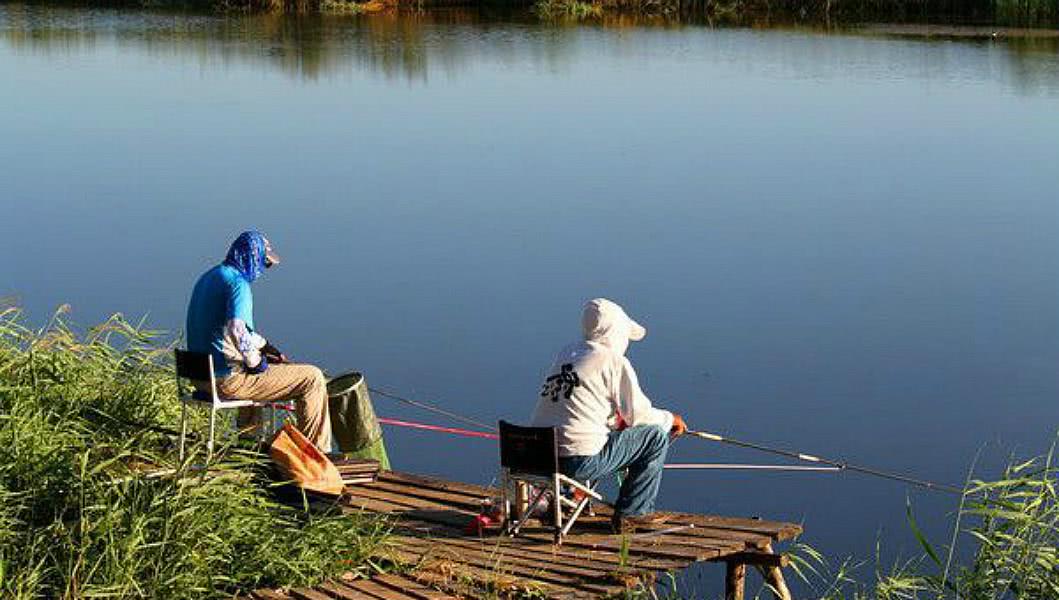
x=247, y=254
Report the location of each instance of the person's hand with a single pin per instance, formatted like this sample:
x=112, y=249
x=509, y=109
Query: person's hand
x=679, y=427
x=273, y=354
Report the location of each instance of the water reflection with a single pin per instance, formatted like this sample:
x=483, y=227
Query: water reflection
x=418, y=45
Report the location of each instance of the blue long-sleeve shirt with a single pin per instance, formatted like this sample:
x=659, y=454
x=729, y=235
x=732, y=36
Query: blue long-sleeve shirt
x=220, y=320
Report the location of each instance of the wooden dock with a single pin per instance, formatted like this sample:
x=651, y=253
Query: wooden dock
x=442, y=559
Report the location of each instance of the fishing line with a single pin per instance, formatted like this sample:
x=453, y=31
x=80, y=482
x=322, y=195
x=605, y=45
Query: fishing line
x=432, y=408
x=438, y=428
x=841, y=465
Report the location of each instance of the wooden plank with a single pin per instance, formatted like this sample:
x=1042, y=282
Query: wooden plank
x=350, y=501
x=679, y=547
x=412, y=587
x=712, y=535
x=472, y=493
x=343, y=592
x=752, y=525
x=567, y=553
x=422, y=481
x=371, y=491
x=264, y=594
x=755, y=531
x=507, y=546
x=584, y=556
x=598, y=542
x=497, y=580
x=442, y=582
x=594, y=580
x=308, y=594
x=533, y=571
x=773, y=529
x=440, y=496
x=706, y=538
x=653, y=547
x=377, y=590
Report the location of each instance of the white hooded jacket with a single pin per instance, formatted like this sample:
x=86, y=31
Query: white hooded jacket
x=591, y=387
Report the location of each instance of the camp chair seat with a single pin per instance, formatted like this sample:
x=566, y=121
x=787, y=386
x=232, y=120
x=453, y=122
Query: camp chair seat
x=530, y=456
x=198, y=367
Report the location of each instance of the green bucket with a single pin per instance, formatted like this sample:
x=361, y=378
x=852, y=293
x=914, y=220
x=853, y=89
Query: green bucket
x=353, y=422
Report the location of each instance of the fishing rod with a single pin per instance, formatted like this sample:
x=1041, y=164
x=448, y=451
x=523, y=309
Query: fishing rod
x=677, y=466
x=834, y=464
x=822, y=464
x=438, y=428
x=746, y=467
x=432, y=408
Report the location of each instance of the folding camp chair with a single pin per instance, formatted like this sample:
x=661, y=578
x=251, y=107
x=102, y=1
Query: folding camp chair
x=530, y=456
x=196, y=366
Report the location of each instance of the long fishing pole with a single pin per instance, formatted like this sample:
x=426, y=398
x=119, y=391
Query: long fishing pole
x=841, y=465
x=744, y=467
x=676, y=466
x=433, y=409
x=831, y=464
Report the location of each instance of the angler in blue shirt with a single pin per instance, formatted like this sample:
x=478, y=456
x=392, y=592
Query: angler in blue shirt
x=220, y=322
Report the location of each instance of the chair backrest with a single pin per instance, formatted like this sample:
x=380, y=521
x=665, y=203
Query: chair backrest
x=530, y=450
x=194, y=365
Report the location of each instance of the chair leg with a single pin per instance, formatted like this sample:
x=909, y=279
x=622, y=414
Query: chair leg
x=183, y=426
x=528, y=512
x=558, y=508
x=586, y=501
x=591, y=505
x=262, y=424
x=505, y=505
x=209, y=443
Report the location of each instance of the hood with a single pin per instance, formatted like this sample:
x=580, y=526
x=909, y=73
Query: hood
x=247, y=254
x=605, y=322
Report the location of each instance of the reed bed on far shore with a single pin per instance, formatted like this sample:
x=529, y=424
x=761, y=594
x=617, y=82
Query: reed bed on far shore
x=82, y=516
x=1038, y=13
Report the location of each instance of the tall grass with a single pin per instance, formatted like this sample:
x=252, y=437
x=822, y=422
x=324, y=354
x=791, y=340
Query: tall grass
x=1007, y=528
x=81, y=515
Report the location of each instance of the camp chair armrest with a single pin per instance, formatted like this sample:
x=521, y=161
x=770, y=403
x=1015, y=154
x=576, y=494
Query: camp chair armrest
x=580, y=486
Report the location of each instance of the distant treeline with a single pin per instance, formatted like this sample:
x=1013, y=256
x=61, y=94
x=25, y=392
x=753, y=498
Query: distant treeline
x=1039, y=13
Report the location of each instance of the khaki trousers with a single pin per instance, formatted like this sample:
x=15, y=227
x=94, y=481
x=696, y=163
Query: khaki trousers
x=303, y=383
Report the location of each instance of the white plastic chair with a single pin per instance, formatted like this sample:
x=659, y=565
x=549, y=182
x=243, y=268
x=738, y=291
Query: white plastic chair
x=196, y=366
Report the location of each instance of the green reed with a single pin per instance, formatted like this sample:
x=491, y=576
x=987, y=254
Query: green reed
x=1007, y=528
x=560, y=9
x=80, y=517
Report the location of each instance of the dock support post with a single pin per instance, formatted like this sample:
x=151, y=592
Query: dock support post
x=774, y=578
x=734, y=580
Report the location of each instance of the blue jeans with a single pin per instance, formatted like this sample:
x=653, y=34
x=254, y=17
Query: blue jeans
x=641, y=449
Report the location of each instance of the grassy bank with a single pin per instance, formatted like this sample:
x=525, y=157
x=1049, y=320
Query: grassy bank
x=78, y=516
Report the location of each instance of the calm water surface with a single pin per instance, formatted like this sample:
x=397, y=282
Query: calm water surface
x=841, y=244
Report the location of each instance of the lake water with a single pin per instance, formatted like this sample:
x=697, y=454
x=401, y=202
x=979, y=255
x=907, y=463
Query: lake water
x=841, y=244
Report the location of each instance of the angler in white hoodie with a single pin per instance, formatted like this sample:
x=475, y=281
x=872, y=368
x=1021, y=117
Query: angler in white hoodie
x=604, y=420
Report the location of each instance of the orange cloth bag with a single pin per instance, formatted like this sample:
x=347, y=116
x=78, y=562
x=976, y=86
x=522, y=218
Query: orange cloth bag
x=303, y=463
